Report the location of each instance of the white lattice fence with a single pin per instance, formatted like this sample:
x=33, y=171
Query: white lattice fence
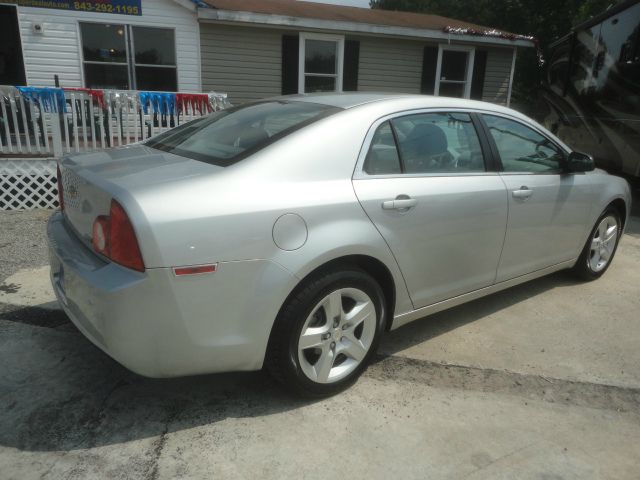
x=28, y=184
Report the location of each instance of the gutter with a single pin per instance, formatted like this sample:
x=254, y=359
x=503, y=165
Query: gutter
x=267, y=20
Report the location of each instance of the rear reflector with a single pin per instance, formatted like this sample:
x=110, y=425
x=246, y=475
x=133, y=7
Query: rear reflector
x=195, y=270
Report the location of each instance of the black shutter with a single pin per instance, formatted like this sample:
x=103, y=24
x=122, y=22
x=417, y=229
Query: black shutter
x=351, y=61
x=290, y=55
x=429, y=65
x=477, y=79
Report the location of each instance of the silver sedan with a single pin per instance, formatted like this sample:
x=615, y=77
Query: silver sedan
x=292, y=232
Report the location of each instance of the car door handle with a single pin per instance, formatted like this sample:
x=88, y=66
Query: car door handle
x=399, y=204
x=523, y=193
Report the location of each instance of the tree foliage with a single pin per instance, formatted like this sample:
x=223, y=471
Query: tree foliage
x=547, y=20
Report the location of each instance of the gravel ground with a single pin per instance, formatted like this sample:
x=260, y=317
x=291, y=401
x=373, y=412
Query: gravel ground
x=22, y=240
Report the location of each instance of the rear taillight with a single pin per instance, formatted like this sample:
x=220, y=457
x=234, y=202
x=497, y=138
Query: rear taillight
x=122, y=239
x=114, y=237
x=60, y=188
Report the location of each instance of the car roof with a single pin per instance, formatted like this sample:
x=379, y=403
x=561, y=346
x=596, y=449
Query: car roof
x=343, y=100
x=355, y=99
x=398, y=102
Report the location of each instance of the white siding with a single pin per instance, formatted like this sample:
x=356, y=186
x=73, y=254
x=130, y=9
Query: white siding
x=497, y=74
x=390, y=65
x=57, y=50
x=244, y=62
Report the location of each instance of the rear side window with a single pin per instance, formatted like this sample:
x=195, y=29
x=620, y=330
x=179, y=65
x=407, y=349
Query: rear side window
x=382, y=158
x=425, y=143
x=438, y=143
x=228, y=136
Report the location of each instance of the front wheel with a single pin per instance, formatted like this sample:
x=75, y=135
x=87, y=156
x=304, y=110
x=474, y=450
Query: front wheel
x=327, y=332
x=601, y=246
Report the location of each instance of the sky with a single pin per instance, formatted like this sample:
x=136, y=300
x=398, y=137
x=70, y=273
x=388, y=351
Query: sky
x=350, y=3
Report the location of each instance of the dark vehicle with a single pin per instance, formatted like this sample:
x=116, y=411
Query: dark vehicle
x=591, y=97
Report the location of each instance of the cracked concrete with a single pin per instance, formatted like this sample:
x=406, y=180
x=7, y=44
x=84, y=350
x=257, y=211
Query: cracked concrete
x=538, y=382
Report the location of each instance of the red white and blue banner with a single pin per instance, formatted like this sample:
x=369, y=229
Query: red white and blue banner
x=54, y=100
x=121, y=7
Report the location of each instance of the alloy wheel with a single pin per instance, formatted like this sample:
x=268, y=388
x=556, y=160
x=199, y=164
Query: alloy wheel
x=337, y=335
x=603, y=243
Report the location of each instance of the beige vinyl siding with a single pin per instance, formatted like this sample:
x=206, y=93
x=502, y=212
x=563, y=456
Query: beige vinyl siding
x=58, y=49
x=390, y=65
x=244, y=62
x=497, y=74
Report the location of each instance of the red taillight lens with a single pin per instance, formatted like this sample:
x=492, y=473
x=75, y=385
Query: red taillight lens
x=60, y=188
x=114, y=237
x=123, y=241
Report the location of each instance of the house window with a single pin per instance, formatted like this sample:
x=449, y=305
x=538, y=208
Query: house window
x=321, y=60
x=454, y=71
x=129, y=57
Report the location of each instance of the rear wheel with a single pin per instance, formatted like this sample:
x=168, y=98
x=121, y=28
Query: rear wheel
x=327, y=332
x=601, y=246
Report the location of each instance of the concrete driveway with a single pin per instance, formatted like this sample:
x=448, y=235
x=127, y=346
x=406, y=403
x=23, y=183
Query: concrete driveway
x=541, y=381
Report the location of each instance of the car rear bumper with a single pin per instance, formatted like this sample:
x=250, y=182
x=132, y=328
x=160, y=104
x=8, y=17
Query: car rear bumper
x=160, y=325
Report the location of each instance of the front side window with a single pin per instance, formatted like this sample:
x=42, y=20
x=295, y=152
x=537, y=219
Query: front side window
x=228, y=136
x=321, y=58
x=522, y=149
x=129, y=57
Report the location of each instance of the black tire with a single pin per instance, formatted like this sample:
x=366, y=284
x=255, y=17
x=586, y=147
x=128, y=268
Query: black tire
x=583, y=269
x=282, y=360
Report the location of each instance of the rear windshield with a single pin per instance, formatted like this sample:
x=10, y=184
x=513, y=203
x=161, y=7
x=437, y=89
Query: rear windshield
x=228, y=136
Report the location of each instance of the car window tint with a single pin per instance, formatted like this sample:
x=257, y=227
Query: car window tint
x=438, y=143
x=521, y=148
x=233, y=134
x=382, y=158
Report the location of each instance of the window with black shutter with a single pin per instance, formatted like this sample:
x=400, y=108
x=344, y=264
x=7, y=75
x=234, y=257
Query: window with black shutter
x=351, y=64
x=429, y=67
x=477, y=79
x=319, y=63
x=290, y=47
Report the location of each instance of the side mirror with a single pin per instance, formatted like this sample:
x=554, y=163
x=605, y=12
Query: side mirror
x=580, y=162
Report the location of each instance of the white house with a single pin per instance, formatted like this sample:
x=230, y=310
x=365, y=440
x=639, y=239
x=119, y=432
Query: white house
x=250, y=48
x=119, y=44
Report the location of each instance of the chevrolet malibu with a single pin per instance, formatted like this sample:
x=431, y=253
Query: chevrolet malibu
x=291, y=233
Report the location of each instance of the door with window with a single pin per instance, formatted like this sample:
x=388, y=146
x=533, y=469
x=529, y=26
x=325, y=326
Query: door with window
x=548, y=209
x=425, y=186
x=454, y=71
x=129, y=57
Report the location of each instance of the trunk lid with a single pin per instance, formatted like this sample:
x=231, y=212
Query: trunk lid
x=91, y=180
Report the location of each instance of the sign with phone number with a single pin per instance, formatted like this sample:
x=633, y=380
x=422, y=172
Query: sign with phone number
x=122, y=7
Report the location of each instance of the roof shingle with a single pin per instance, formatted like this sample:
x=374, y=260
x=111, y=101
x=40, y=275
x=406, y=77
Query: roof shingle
x=322, y=11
